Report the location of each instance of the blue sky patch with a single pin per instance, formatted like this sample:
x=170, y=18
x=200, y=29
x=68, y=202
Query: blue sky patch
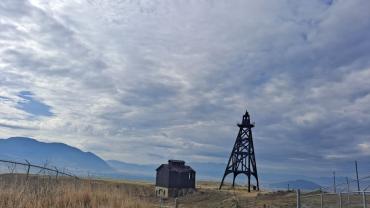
x=32, y=105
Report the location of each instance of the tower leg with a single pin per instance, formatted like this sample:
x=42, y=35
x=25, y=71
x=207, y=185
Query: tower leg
x=234, y=180
x=249, y=182
x=222, y=182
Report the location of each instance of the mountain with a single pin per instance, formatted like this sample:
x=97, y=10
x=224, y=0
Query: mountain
x=208, y=171
x=204, y=171
x=134, y=171
x=296, y=184
x=64, y=156
x=54, y=154
x=82, y=163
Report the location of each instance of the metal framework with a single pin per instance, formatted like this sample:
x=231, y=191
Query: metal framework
x=242, y=159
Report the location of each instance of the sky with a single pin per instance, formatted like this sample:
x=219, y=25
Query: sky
x=143, y=81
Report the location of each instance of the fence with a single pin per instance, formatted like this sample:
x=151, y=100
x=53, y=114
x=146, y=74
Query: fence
x=28, y=169
x=356, y=199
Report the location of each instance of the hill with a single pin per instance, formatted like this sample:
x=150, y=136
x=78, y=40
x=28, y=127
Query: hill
x=296, y=184
x=205, y=171
x=54, y=154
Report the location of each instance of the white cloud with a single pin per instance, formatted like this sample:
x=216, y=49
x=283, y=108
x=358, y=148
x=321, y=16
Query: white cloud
x=127, y=78
x=364, y=147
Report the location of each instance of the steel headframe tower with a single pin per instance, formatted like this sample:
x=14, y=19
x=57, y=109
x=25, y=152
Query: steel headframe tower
x=242, y=159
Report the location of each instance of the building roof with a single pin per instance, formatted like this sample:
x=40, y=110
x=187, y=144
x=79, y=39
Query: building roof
x=176, y=162
x=176, y=166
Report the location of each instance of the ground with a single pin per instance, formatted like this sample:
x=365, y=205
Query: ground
x=16, y=190
x=208, y=195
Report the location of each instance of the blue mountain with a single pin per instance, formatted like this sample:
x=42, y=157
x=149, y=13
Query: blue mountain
x=82, y=163
x=53, y=154
x=204, y=171
x=134, y=171
x=296, y=184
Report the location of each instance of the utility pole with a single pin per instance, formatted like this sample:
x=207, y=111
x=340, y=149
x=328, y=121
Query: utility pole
x=334, y=185
x=358, y=181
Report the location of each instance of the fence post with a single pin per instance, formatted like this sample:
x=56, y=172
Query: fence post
x=57, y=173
x=347, y=191
x=28, y=168
x=321, y=200
x=176, y=203
x=298, y=198
x=364, y=199
x=340, y=199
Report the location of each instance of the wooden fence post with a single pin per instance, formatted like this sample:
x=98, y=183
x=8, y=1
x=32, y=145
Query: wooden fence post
x=340, y=199
x=321, y=200
x=298, y=198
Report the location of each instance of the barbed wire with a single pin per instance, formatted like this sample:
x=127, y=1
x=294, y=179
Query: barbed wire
x=40, y=170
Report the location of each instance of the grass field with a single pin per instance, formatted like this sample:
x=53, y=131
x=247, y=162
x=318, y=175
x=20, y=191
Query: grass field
x=46, y=192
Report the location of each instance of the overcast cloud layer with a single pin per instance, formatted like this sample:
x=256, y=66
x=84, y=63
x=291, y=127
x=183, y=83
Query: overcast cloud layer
x=144, y=81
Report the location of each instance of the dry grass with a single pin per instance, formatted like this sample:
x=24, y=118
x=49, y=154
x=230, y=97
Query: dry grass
x=45, y=192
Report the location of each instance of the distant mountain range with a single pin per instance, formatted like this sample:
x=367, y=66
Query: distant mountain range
x=69, y=158
x=296, y=184
x=82, y=163
x=52, y=154
x=134, y=171
x=205, y=171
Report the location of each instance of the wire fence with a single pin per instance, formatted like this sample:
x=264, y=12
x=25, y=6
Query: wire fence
x=342, y=200
x=351, y=193
x=362, y=184
x=26, y=168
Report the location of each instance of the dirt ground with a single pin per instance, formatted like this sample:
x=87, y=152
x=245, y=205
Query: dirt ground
x=208, y=196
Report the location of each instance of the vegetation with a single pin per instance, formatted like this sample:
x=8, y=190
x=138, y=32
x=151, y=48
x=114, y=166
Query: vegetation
x=47, y=192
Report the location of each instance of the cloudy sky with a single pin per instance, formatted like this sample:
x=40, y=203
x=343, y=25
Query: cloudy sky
x=143, y=81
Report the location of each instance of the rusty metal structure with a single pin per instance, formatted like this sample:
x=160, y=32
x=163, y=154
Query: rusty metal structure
x=242, y=158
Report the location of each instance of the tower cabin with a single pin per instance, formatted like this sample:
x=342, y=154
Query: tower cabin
x=174, y=179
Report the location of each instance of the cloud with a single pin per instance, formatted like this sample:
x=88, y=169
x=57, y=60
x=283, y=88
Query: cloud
x=129, y=80
x=364, y=147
